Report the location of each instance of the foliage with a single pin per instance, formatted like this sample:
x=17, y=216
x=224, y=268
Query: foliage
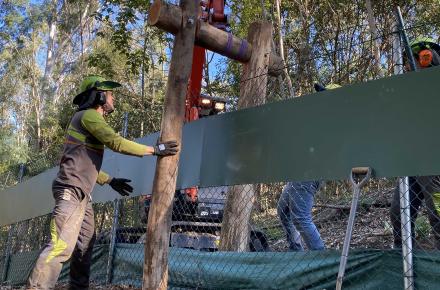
x=46, y=47
x=324, y=41
x=422, y=227
x=330, y=41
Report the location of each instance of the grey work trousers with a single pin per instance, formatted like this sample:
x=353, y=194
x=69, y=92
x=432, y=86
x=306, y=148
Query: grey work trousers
x=72, y=230
x=420, y=188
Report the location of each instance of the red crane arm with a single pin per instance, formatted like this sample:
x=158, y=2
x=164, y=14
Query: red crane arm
x=215, y=15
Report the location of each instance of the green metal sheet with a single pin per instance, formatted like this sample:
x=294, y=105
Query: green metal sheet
x=388, y=124
x=29, y=199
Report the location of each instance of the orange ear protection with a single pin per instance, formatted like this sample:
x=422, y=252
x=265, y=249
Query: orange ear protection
x=425, y=57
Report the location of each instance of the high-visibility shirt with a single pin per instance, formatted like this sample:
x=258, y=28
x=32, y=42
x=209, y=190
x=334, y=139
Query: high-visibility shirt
x=86, y=137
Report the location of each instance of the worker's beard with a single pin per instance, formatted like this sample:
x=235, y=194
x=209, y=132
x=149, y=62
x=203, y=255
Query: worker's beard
x=108, y=109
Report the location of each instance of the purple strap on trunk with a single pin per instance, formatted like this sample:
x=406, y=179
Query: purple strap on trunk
x=229, y=44
x=243, y=48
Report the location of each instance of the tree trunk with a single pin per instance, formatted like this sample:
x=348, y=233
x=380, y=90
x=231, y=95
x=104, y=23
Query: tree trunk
x=167, y=17
x=63, y=50
x=281, y=44
x=155, y=271
x=50, y=44
x=374, y=37
x=237, y=214
x=36, y=96
x=144, y=49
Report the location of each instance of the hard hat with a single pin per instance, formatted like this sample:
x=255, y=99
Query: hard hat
x=426, y=51
x=95, y=82
x=423, y=43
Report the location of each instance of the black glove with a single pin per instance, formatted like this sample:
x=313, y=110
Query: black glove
x=166, y=148
x=121, y=186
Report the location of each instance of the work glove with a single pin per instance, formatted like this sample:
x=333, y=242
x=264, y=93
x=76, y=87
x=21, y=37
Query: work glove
x=166, y=148
x=121, y=186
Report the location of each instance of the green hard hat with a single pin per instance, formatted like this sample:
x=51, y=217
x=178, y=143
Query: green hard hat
x=94, y=82
x=422, y=43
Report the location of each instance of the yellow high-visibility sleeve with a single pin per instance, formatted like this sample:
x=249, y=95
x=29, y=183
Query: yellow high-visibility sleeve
x=103, y=178
x=93, y=122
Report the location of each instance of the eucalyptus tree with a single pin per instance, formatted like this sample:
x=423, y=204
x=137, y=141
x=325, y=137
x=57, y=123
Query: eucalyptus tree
x=146, y=54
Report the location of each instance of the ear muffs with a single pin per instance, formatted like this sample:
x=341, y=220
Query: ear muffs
x=92, y=98
x=100, y=98
x=425, y=57
x=435, y=58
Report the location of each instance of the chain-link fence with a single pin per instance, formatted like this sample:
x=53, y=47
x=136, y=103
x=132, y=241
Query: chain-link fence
x=279, y=235
x=279, y=244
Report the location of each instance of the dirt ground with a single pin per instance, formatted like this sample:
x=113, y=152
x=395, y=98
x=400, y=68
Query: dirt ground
x=372, y=228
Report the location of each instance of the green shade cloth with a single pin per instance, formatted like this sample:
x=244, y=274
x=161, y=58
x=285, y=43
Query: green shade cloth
x=190, y=269
x=366, y=269
x=21, y=265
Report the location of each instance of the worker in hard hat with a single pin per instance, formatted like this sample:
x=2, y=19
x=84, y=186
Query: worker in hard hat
x=72, y=226
x=426, y=54
x=294, y=208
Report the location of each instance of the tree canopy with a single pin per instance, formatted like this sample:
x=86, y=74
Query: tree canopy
x=48, y=46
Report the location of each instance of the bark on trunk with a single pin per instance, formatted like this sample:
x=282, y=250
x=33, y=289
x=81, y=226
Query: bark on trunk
x=238, y=208
x=155, y=272
x=168, y=17
x=374, y=37
x=281, y=44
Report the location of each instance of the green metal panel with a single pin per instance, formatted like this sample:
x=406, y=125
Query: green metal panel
x=191, y=157
x=28, y=199
x=139, y=170
x=389, y=125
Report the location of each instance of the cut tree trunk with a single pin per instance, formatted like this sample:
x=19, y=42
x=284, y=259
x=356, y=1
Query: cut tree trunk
x=168, y=17
x=374, y=36
x=237, y=213
x=155, y=271
x=281, y=44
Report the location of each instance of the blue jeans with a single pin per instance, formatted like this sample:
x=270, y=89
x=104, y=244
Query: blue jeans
x=295, y=212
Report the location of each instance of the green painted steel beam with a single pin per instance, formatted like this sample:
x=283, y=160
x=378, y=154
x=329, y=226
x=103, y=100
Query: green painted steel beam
x=388, y=124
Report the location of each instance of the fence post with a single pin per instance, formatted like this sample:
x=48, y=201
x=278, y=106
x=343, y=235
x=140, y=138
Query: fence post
x=111, y=251
x=405, y=212
x=125, y=126
x=7, y=253
x=405, y=220
x=115, y=222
